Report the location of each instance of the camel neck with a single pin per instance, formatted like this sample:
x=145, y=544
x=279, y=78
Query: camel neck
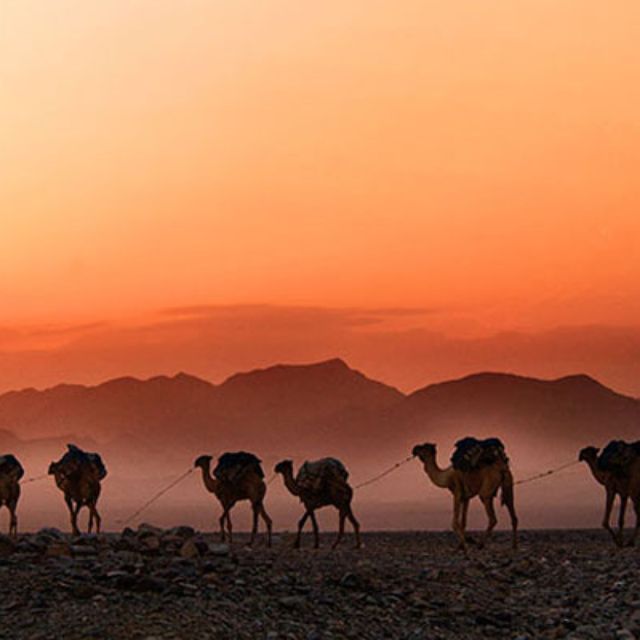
x=596, y=471
x=290, y=482
x=439, y=477
x=209, y=481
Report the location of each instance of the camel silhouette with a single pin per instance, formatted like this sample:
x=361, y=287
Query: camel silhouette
x=319, y=484
x=10, y=473
x=622, y=481
x=237, y=477
x=482, y=481
x=78, y=475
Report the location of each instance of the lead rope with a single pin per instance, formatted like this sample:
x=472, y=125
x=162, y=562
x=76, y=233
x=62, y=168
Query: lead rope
x=35, y=479
x=386, y=472
x=544, y=474
x=158, y=495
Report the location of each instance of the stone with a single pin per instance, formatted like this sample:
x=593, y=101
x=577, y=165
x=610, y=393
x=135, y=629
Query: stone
x=58, y=549
x=189, y=549
x=7, y=545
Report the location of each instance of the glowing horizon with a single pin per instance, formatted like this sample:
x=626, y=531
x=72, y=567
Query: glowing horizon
x=475, y=162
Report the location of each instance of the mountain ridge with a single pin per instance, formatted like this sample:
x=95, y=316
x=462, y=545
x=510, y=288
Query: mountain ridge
x=322, y=406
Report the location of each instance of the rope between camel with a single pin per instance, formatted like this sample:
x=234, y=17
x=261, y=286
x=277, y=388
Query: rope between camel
x=544, y=474
x=35, y=479
x=386, y=472
x=156, y=496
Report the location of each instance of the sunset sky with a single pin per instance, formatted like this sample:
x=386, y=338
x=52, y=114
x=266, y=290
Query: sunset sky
x=424, y=188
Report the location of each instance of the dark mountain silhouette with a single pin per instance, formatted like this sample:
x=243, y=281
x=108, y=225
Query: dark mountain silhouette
x=278, y=405
x=569, y=409
x=319, y=408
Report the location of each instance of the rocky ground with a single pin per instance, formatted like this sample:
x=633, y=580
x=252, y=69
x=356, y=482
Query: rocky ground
x=153, y=584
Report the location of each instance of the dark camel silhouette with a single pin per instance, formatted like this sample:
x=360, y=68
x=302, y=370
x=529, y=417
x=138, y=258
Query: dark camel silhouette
x=241, y=478
x=10, y=473
x=625, y=484
x=78, y=475
x=319, y=484
x=483, y=482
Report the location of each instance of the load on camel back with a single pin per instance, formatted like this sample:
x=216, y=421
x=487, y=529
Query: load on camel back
x=313, y=475
x=232, y=466
x=618, y=456
x=471, y=454
x=75, y=458
x=10, y=467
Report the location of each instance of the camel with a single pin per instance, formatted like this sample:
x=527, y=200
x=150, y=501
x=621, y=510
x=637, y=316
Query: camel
x=237, y=477
x=483, y=482
x=10, y=473
x=319, y=484
x=624, y=485
x=78, y=475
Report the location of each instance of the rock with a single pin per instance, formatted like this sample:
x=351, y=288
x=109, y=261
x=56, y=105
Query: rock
x=150, y=541
x=83, y=550
x=292, y=602
x=219, y=549
x=189, y=549
x=7, y=545
x=58, y=549
x=181, y=532
x=50, y=533
x=149, y=528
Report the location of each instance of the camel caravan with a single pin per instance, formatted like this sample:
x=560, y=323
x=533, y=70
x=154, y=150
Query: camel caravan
x=478, y=468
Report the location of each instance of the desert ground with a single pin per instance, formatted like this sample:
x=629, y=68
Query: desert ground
x=150, y=583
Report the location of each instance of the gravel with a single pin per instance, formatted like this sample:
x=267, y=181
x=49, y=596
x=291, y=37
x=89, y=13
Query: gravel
x=150, y=584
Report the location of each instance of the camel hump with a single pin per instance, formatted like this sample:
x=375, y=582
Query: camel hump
x=314, y=473
x=618, y=455
x=470, y=453
x=231, y=466
x=75, y=459
x=10, y=466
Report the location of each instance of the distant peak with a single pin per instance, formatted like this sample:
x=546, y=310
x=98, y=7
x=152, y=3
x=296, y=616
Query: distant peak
x=187, y=378
x=333, y=363
x=581, y=380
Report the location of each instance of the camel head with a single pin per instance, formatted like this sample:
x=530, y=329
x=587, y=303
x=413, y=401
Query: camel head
x=424, y=451
x=203, y=462
x=284, y=467
x=55, y=468
x=588, y=453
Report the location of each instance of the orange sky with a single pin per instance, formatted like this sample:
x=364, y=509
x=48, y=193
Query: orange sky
x=476, y=159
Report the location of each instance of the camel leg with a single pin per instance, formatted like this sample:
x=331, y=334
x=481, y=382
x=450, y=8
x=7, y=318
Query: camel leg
x=13, y=521
x=316, y=530
x=73, y=512
x=491, y=515
x=229, y=527
x=356, y=527
x=514, y=521
x=621, y=516
x=464, y=511
x=90, y=527
x=94, y=515
x=636, y=507
x=456, y=525
x=254, y=528
x=606, y=522
x=342, y=516
x=508, y=500
x=301, y=524
x=268, y=522
x=223, y=519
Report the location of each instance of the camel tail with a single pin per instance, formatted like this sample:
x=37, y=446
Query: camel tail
x=506, y=495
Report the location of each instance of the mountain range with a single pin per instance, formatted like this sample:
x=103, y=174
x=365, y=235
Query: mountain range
x=316, y=409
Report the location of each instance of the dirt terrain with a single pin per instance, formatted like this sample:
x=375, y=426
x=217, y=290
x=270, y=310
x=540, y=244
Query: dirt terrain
x=152, y=584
